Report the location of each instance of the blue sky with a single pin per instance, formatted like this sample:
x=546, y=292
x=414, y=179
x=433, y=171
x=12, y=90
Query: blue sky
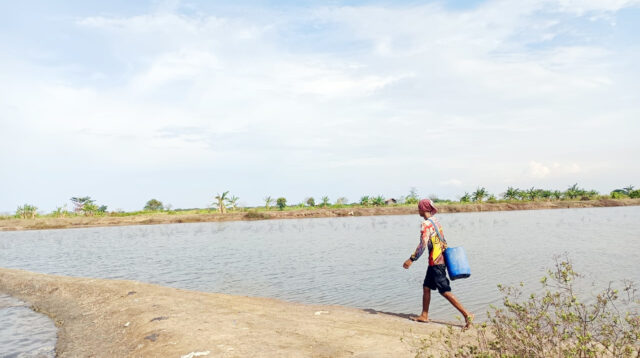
x=179, y=100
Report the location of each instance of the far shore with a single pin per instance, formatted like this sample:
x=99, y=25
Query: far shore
x=43, y=223
x=117, y=318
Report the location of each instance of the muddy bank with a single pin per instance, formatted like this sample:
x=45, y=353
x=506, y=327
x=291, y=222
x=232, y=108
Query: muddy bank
x=115, y=318
x=165, y=218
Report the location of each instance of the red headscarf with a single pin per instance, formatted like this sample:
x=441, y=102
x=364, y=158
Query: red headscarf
x=426, y=205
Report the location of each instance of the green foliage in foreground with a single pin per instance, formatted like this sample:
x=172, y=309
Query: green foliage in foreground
x=556, y=323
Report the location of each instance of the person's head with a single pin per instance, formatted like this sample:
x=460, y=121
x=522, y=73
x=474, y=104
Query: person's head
x=426, y=208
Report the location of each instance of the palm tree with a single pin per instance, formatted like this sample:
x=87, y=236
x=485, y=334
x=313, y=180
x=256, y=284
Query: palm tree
x=325, y=201
x=533, y=194
x=220, y=199
x=465, y=198
x=628, y=189
x=556, y=194
x=546, y=194
x=268, y=201
x=573, y=191
x=233, y=202
x=378, y=200
x=479, y=194
x=510, y=194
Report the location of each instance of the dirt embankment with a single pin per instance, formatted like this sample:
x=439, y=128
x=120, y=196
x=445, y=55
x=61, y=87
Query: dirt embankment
x=113, y=318
x=165, y=218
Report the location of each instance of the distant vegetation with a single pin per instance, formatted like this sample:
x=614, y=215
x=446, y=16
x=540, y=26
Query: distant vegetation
x=154, y=205
x=224, y=202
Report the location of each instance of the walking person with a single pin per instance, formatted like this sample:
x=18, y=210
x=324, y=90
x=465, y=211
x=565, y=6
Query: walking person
x=432, y=238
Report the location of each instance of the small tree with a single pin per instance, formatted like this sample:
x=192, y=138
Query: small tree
x=220, y=202
x=87, y=206
x=325, y=201
x=281, y=202
x=153, y=205
x=365, y=200
x=90, y=208
x=268, y=201
x=465, y=198
x=573, y=192
x=311, y=202
x=378, y=200
x=479, y=194
x=84, y=205
x=510, y=194
x=533, y=193
x=233, y=202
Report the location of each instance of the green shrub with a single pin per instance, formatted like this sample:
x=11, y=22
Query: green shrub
x=153, y=205
x=556, y=323
x=254, y=215
x=618, y=194
x=281, y=203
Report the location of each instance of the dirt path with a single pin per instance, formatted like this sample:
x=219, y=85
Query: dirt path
x=113, y=318
x=173, y=218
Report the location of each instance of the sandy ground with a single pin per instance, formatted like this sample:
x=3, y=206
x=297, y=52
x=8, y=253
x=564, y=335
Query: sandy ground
x=164, y=218
x=114, y=318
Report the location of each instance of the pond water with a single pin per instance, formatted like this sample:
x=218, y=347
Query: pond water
x=23, y=332
x=353, y=261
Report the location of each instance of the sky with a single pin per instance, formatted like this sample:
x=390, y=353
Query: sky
x=126, y=101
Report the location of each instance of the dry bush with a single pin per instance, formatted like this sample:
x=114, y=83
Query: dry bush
x=556, y=323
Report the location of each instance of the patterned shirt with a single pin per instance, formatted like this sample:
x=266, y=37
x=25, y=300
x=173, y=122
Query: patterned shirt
x=429, y=239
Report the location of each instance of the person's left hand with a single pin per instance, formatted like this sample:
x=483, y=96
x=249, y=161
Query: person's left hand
x=407, y=263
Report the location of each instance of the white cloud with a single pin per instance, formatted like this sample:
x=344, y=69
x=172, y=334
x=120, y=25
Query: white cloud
x=341, y=88
x=538, y=170
x=452, y=182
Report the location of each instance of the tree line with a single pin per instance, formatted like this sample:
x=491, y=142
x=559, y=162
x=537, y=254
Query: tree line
x=223, y=202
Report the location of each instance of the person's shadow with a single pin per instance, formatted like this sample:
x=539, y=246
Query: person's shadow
x=408, y=316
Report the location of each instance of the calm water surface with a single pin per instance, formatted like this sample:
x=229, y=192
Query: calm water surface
x=355, y=261
x=23, y=332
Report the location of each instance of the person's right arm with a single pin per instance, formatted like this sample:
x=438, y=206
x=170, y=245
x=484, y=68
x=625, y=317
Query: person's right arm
x=422, y=245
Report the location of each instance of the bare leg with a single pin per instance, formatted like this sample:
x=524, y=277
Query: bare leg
x=426, y=300
x=468, y=317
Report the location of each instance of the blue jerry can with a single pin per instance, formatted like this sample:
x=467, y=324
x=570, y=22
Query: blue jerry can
x=457, y=263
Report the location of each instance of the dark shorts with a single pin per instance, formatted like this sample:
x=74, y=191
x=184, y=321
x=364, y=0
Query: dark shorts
x=436, y=279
